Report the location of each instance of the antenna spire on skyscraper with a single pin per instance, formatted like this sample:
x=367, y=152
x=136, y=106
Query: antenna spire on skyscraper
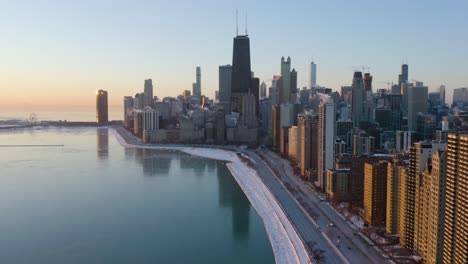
x=237, y=22
x=246, y=25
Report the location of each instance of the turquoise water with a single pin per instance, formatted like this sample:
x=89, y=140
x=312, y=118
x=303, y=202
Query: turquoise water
x=94, y=201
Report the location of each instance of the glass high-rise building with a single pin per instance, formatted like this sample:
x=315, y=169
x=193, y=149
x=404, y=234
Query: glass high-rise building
x=148, y=92
x=102, y=116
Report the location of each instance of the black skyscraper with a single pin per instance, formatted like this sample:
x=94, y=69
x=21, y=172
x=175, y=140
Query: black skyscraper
x=241, y=73
x=403, y=77
x=255, y=90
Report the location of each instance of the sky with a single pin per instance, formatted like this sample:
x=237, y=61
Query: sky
x=58, y=53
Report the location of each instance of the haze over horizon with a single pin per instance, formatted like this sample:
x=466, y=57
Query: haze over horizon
x=60, y=53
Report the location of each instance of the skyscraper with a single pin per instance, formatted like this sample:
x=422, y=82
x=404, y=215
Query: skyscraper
x=148, y=93
x=403, y=84
x=368, y=97
x=241, y=71
x=197, y=86
x=375, y=192
x=326, y=139
x=403, y=77
x=255, y=91
x=442, y=94
x=225, y=74
x=263, y=89
x=276, y=127
x=419, y=155
x=313, y=75
x=293, y=86
x=128, y=104
x=456, y=201
x=429, y=213
x=308, y=142
x=102, y=116
x=393, y=102
x=417, y=103
x=395, y=166
x=285, y=93
x=460, y=95
x=358, y=112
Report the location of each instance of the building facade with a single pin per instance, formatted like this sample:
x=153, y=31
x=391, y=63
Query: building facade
x=102, y=113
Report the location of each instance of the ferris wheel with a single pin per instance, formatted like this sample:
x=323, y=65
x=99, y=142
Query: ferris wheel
x=33, y=119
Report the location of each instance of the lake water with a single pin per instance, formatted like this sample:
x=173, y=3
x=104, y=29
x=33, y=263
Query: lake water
x=94, y=201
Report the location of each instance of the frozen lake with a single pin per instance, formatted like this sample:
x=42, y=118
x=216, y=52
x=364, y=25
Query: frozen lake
x=94, y=201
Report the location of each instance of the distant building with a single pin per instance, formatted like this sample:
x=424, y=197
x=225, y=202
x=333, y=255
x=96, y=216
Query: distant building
x=102, y=114
x=393, y=102
x=326, y=140
x=442, y=94
x=294, y=149
x=276, y=126
x=425, y=126
x=417, y=103
x=343, y=127
x=403, y=140
x=254, y=90
x=358, y=107
x=148, y=94
x=363, y=144
x=337, y=184
x=220, y=127
x=150, y=120
x=293, y=86
x=197, y=87
x=460, y=95
x=225, y=73
x=312, y=75
x=285, y=92
x=128, y=105
x=263, y=90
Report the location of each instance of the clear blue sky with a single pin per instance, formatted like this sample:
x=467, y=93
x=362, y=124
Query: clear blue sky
x=62, y=51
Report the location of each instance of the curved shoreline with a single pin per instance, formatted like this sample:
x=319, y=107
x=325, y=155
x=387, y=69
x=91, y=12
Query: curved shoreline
x=285, y=241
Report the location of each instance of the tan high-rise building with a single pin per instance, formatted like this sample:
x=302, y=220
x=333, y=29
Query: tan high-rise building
x=375, y=192
x=420, y=153
x=308, y=143
x=393, y=184
x=294, y=147
x=455, y=248
x=430, y=194
x=276, y=126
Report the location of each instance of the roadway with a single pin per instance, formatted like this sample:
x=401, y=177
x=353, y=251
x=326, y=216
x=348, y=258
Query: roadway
x=344, y=236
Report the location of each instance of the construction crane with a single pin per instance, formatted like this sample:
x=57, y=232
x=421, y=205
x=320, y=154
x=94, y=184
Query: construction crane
x=388, y=83
x=363, y=67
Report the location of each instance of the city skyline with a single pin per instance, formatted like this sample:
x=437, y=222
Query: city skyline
x=101, y=49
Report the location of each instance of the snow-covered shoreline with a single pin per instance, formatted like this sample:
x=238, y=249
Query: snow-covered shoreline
x=286, y=243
